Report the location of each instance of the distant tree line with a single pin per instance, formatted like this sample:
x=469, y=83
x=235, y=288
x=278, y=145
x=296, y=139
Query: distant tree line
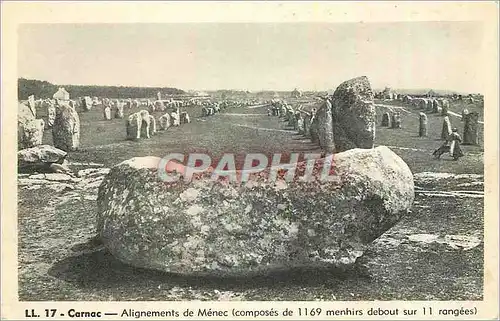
x=44, y=89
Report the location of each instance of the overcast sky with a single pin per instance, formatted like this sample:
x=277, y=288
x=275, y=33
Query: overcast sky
x=309, y=56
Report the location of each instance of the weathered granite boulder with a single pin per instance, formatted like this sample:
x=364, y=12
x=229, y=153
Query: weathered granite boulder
x=222, y=228
x=314, y=128
x=354, y=116
x=87, y=103
x=119, y=109
x=40, y=157
x=30, y=133
x=66, y=128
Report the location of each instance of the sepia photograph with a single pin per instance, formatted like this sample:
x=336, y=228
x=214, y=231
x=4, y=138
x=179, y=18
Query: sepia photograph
x=311, y=161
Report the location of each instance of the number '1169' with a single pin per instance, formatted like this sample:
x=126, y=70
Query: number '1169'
x=309, y=312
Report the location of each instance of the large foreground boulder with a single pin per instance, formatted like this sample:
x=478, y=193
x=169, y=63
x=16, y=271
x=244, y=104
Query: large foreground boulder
x=214, y=227
x=354, y=115
x=40, y=157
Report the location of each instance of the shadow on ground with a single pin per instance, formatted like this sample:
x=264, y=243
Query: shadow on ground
x=99, y=269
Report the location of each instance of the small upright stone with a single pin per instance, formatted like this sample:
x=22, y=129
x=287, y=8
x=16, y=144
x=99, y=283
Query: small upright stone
x=445, y=107
x=354, y=114
x=396, y=120
x=446, y=131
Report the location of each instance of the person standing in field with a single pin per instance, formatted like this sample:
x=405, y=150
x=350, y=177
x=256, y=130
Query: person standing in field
x=451, y=145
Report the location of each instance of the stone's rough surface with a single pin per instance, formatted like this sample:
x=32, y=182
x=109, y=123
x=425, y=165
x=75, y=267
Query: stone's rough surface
x=221, y=228
x=325, y=128
x=119, y=110
x=446, y=130
x=386, y=119
x=66, y=128
x=107, y=113
x=307, y=125
x=444, y=108
x=40, y=157
x=354, y=114
x=396, y=120
x=313, y=130
x=51, y=115
x=30, y=133
x=422, y=130
x=164, y=121
x=471, y=129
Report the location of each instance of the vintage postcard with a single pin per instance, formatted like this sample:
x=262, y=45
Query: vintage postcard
x=249, y=160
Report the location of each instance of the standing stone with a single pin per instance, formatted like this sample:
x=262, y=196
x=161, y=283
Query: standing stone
x=471, y=129
x=164, y=121
x=107, y=113
x=396, y=120
x=300, y=123
x=26, y=118
x=66, y=129
x=291, y=118
x=325, y=127
x=31, y=133
x=385, y=119
x=445, y=107
x=51, y=114
x=313, y=130
x=465, y=112
x=244, y=229
x=446, y=131
x=422, y=131
x=184, y=118
x=119, y=110
x=39, y=157
x=422, y=103
x=354, y=115
x=87, y=103
x=158, y=95
x=435, y=106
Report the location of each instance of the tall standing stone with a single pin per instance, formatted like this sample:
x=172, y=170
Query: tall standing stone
x=354, y=116
x=307, y=125
x=31, y=133
x=87, y=103
x=119, y=110
x=66, y=128
x=422, y=131
x=386, y=119
x=446, y=131
x=313, y=130
x=445, y=107
x=396, y=120
x=184, y=227
x=435, y=106
x=28, y=130
x=471, y=129
x=107, y=113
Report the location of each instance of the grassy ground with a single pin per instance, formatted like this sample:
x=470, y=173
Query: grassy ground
x=55, y=262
